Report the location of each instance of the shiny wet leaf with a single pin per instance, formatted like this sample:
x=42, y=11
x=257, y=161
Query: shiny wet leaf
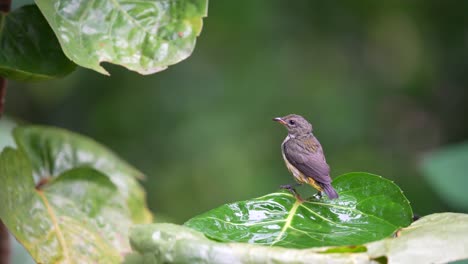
x=64, y=197
x=143, y=36
x=29, y=49
x=53, y=151
x=369, y=208
x=437, y=238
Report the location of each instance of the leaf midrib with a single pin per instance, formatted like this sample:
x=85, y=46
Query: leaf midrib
x=52, y=215
x=288, y=221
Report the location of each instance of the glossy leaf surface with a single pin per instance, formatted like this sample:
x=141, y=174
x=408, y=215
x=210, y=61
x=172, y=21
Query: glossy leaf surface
x=29, y=49
x=437, y=238
x=369, y=208
x=143, y=36
x=63, y=197
x=446, y=170
x=53, y=151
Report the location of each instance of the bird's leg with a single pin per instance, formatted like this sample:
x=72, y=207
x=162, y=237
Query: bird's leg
x=291, y=189
x=290, y=186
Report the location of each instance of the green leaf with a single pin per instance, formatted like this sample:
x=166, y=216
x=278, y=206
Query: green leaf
x=369, y=208
x=52, y=225
x=447, y=170
x=437, y=238
x=143, y=36
x=53, y=151
x=68, y=199
x=169, y=243
x=29, y=49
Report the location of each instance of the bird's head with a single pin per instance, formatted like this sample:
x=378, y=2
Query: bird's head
x=296, y=124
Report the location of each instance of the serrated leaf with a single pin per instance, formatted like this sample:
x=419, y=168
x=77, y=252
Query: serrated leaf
x=29, y=49
x=53, y=151
x=369, y=208
x=437, y=238
x=446, y=170
x=143, y=36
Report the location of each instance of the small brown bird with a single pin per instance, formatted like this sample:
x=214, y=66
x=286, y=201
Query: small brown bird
x=304, y=156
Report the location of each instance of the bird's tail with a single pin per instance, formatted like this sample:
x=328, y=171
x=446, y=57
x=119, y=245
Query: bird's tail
x=330, y=191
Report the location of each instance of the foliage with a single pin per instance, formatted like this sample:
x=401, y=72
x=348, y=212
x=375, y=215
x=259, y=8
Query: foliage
x=68, y=199
x=30, y=51
x=369, y=208
x=437, y=238
x=145, y=37
x=446, y=170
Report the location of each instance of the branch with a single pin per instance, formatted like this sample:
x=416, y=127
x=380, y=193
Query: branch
x=5, y=247
x=5, y=5
x=3, y=87
x=5, y=250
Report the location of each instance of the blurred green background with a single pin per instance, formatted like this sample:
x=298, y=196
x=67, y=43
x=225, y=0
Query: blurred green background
x=383, y=83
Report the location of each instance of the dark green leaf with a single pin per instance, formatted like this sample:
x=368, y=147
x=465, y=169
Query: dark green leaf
x=53, y=151
x=143, y=36
x=29, y=49
x=437, y=238
x=369, y=208
x=447, y=170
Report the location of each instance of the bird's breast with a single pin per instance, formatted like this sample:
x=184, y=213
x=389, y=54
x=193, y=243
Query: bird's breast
x=298, y=175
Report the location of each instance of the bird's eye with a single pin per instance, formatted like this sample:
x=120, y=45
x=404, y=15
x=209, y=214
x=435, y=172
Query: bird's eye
x=292, y=123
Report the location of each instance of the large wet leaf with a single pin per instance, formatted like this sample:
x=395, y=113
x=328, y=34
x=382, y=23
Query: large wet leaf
x=437, y=238
x=53, y=151
x=369, y=208
x=68, y=199
x=29, y=49
x=447, y=170
x=143, y=36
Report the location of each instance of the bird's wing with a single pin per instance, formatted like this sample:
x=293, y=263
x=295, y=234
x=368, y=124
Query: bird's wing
x=307, y=156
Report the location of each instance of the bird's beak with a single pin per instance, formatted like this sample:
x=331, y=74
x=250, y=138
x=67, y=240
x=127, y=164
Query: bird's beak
x=279, y=120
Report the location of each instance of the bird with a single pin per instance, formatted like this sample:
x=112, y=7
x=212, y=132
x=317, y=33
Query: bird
x=304, y=157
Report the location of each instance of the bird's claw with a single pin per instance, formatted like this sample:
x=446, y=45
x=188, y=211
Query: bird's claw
x=293, y=191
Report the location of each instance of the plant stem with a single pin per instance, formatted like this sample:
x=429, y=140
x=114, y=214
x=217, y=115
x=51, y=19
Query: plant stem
x=3, y=87
x=5, y=247
x=5, y=5
x=5, y=250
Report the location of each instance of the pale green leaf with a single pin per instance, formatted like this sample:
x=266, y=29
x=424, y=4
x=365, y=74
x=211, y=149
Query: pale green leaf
x=143, y=36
